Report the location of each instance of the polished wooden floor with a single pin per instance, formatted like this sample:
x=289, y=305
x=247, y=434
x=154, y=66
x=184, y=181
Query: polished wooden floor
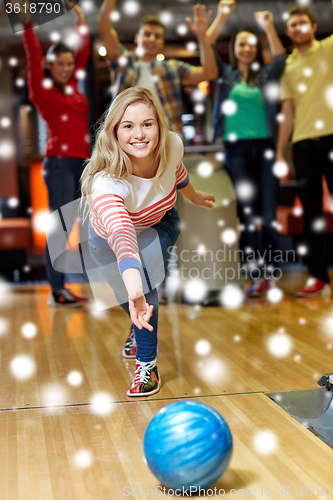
x=84, y=441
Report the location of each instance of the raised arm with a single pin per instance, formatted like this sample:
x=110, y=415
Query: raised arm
x=24, y=13
x=208, y=69
x=34, y=55
x=285, y=128
x=266, y=21
x=82, y=49
x=108, y=33
x=77, y=11
x=224, y=10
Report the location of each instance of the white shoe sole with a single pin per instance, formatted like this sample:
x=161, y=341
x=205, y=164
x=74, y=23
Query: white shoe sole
x=143, y=394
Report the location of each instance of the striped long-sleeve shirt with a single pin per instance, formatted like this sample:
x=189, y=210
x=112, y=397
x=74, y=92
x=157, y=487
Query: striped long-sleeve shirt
x=122, y=208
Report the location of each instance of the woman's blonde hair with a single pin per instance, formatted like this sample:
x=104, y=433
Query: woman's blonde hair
x=107, y=155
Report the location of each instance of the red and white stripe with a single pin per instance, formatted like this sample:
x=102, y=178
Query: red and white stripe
x=118, y=218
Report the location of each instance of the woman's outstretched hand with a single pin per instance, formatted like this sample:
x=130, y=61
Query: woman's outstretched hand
x=140, y=312
x=200, y=198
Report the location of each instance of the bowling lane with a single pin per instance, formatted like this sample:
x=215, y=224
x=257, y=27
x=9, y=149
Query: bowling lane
x=47, y=452
x=202, y=351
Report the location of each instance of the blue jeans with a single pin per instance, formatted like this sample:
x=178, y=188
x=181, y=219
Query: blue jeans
x=246, y=162
x=168, y=231
x=62, y=179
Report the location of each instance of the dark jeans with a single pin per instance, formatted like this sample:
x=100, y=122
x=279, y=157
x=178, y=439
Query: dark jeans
x=312, y=160
x=62, y=179
x=246, y=162
x=168, y=231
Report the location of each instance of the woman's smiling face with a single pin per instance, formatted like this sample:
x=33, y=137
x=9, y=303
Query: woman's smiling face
x=62, y=68
x=138, y=132
x=245, y=47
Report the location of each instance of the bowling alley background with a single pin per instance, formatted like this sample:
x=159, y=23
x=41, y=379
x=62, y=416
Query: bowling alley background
x=67, y=429
x=23, y=134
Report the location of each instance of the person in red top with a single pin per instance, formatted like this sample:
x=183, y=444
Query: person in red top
x=54, y=93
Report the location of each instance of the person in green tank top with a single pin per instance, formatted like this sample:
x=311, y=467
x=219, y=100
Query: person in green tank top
x=245, y=116
x=249, y=121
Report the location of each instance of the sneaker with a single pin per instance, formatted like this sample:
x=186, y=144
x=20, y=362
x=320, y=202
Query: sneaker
x=315, y=287
x=64, y=298
x=146, y=381
x=270, y=283
x=129, y=350
x=257, y=288
x=82, y=300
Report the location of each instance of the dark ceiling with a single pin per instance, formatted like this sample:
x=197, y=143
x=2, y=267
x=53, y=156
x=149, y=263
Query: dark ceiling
x=128, y=24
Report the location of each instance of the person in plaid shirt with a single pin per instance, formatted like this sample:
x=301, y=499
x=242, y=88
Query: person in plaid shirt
x=141, y=69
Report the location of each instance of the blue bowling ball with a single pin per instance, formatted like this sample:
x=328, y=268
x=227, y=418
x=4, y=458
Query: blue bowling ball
x=187, y=444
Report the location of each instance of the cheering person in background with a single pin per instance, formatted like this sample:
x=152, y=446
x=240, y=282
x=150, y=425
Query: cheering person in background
x=245, y=116
x=54, y=93
x=306, y=87
x=164, y=78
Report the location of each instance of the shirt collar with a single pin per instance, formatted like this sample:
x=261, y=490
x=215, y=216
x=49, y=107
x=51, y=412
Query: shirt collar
x=136, y=60
x=295, y=53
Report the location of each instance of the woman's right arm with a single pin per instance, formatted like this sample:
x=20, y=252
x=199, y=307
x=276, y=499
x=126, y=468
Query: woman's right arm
x=108, y=203
x=140, y=311
x=224, y=10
